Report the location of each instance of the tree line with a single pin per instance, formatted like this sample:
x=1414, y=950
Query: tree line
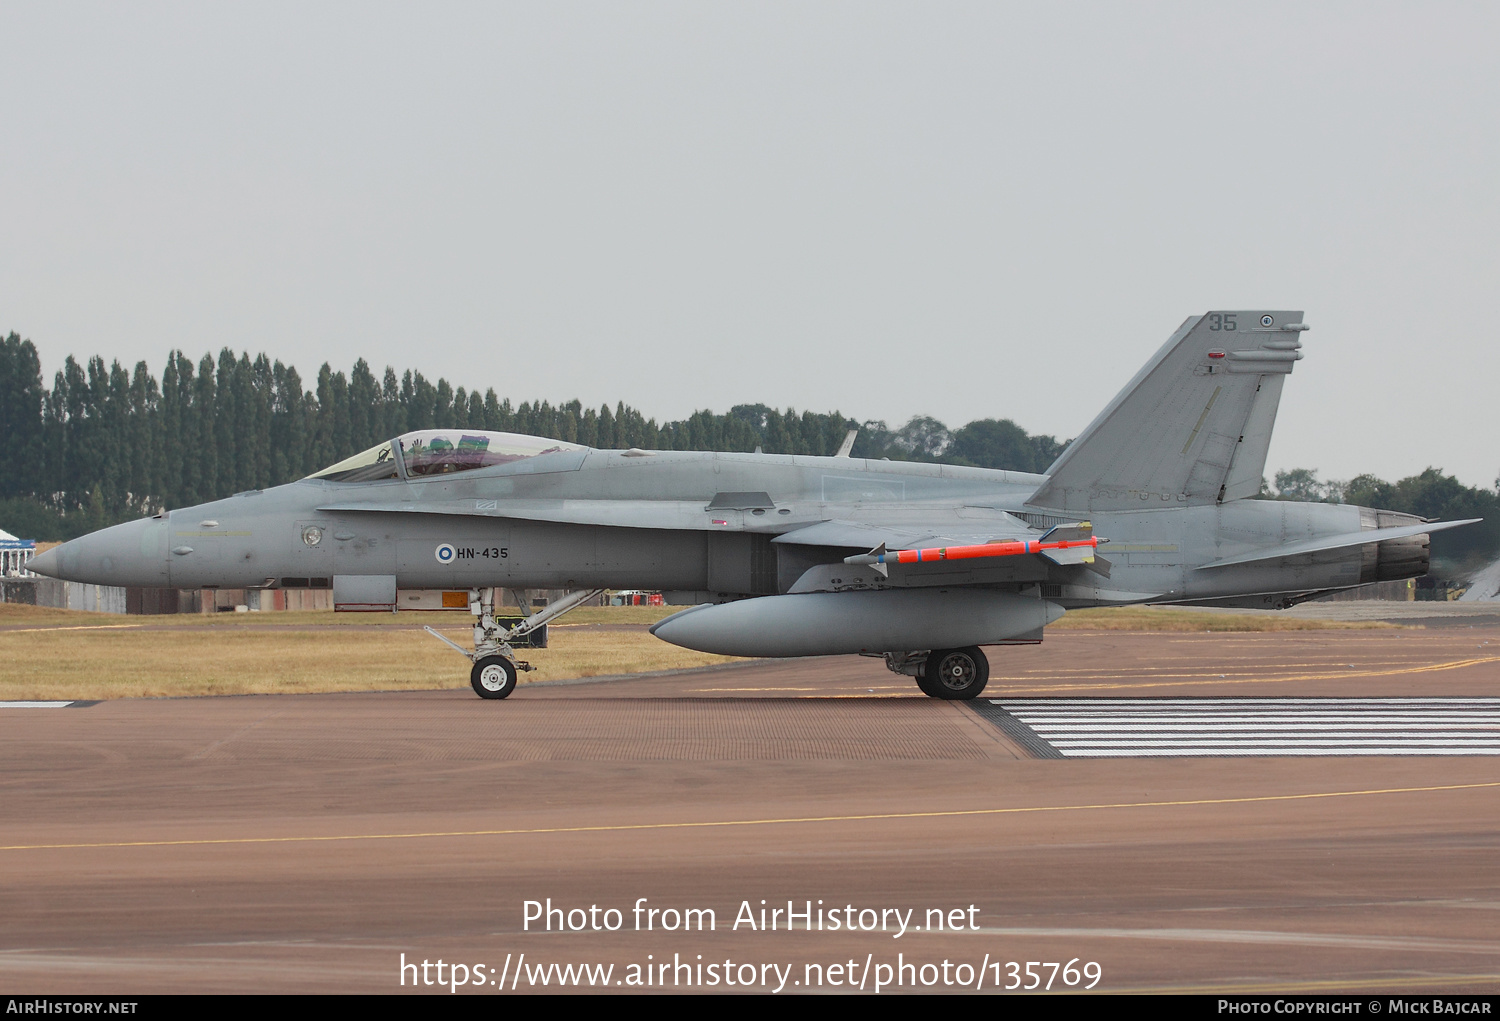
x=104, y=444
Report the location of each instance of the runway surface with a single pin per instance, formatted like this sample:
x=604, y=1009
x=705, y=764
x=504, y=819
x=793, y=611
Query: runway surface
x=306, y=842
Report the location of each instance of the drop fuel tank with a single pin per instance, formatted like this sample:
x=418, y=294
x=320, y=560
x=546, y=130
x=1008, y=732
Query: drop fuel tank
x=842, y=623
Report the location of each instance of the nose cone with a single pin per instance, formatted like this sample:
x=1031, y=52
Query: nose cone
x=45, y=563
x=132, y=554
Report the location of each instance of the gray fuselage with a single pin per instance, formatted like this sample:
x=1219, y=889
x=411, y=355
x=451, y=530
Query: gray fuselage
x=703, y=526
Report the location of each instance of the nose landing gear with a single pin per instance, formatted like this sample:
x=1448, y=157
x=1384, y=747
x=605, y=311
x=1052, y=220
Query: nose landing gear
x=495, y=664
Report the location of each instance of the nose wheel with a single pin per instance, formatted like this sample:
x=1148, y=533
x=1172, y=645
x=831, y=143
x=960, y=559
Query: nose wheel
x=493, y=677
x=954, y=674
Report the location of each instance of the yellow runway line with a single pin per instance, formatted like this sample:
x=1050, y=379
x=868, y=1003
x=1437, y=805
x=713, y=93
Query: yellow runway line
x=951, y=814
x=852, y=684
x=71, y=627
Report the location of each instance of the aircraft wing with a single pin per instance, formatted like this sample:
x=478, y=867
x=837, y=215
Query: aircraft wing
x=1330, y=542
x=864, y=535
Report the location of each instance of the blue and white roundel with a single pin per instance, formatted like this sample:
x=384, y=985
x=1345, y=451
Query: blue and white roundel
x=445, y=554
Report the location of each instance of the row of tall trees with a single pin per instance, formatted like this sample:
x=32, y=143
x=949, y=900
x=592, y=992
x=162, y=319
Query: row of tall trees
x=985, y=443
x=104, y=443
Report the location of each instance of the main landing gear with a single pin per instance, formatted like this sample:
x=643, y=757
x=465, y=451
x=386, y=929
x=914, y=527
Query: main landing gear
x=952, y=674
x=495, y=664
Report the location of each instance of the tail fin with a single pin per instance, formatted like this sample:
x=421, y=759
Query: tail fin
x=1192, y=427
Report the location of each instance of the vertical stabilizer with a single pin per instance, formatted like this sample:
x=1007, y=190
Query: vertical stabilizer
x=1192, y=427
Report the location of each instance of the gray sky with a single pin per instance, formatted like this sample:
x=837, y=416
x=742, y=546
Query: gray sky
x=962, y=210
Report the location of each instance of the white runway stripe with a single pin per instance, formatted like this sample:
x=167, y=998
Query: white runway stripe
x=34, y=705
x=1094, y=727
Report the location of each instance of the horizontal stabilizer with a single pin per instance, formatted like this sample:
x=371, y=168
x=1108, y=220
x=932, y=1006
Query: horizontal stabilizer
x=1330, y=542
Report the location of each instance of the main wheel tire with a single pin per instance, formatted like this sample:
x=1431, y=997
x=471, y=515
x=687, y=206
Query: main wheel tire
x=955, y=674
x=493, y=677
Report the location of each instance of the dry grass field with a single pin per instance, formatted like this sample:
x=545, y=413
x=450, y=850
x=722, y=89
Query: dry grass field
x=63, y=654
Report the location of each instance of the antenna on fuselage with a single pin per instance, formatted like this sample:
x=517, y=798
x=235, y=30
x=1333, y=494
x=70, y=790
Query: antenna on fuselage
x=848, y=444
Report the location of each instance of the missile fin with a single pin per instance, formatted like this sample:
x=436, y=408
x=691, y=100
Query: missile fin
x=1062, y=533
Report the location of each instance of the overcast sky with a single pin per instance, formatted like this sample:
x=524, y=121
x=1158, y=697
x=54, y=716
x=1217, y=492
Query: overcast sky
x=960, y=210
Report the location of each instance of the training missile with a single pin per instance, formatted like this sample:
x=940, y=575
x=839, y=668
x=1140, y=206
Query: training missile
x=1052, y=549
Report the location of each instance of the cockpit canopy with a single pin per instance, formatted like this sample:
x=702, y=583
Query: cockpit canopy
x=427, y=452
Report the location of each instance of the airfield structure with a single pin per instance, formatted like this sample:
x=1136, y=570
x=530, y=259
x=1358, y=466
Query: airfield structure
x=15, y=554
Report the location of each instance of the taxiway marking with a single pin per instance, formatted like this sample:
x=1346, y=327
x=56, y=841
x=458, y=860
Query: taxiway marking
x=716, y=823
x=1108, y=728
x=70, y=627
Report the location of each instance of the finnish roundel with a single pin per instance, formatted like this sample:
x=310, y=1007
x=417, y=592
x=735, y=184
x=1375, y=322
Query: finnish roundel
x=444, y=554
x=1266, y=320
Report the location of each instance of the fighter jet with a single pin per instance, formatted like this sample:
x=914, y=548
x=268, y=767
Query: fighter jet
x=790, y=555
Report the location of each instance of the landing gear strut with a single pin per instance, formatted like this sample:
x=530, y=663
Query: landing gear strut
x=495, y=663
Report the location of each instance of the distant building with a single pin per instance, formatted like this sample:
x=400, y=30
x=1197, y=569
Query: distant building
x=15, y=554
